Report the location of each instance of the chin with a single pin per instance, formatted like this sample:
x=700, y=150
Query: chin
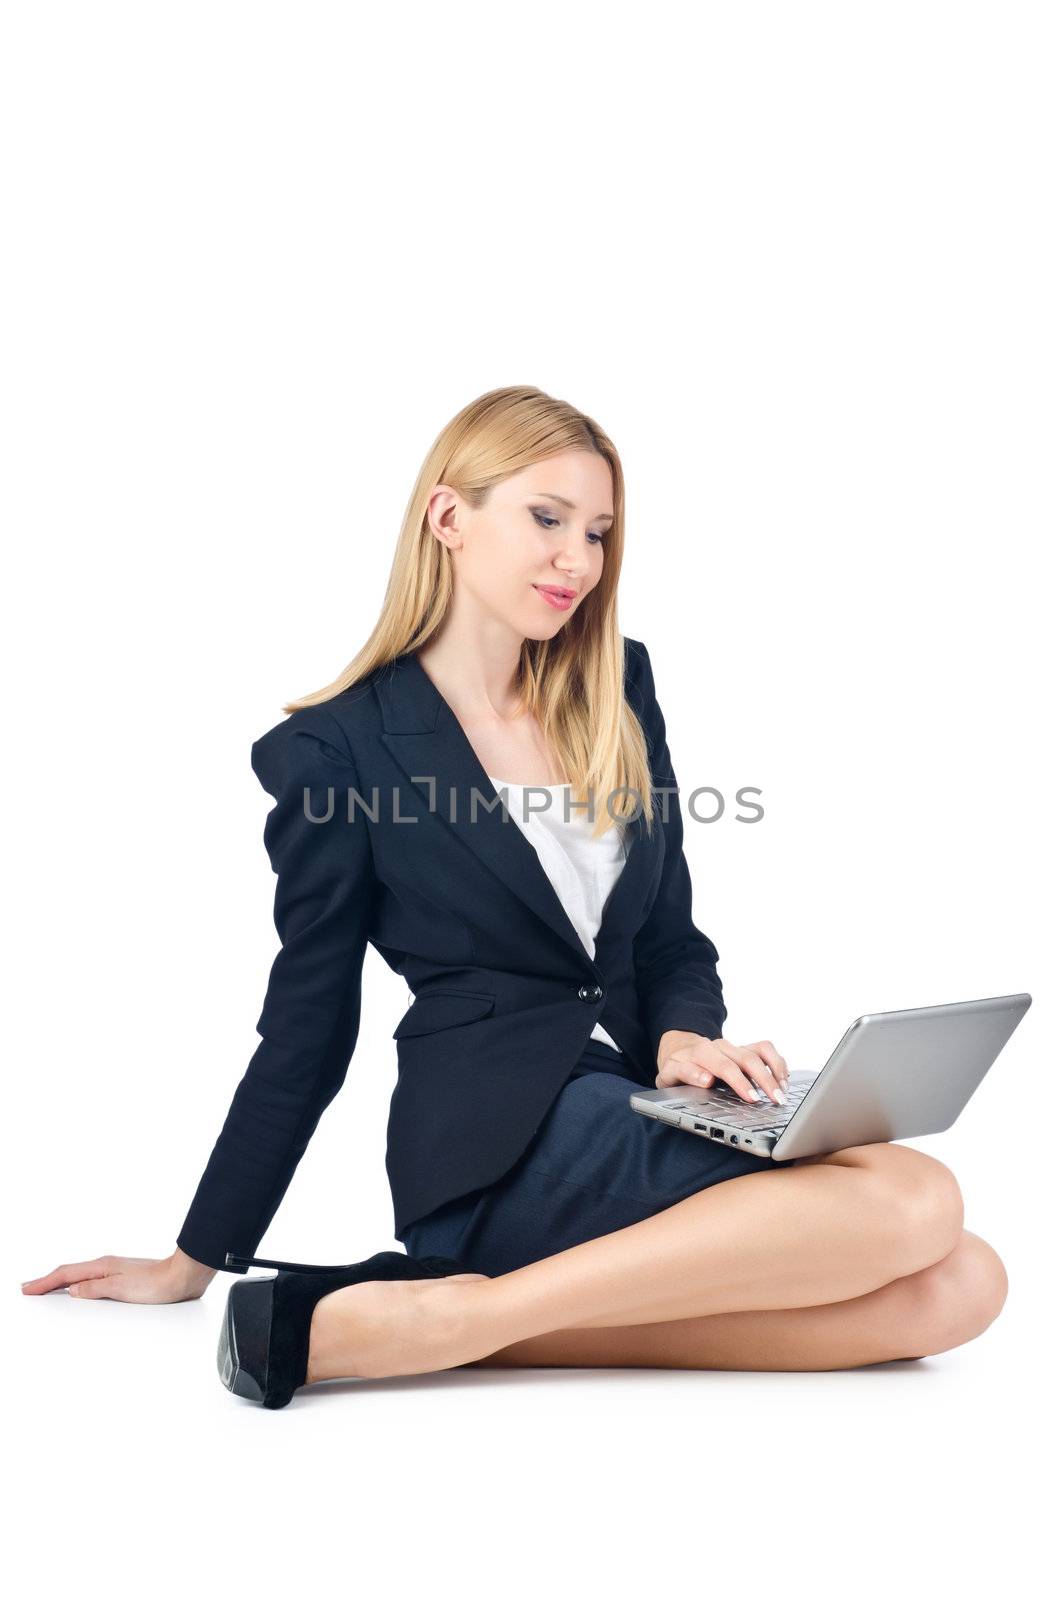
x=547, y=629
x=540, y=622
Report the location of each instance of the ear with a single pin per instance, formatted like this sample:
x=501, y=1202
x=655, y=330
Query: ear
x=443, y=516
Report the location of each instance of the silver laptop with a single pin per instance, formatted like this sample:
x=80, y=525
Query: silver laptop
x=893, y=1075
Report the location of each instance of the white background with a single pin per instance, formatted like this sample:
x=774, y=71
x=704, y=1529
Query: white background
x=801, y=263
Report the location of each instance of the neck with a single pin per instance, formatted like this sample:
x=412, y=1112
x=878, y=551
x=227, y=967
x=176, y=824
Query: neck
x=475, y=671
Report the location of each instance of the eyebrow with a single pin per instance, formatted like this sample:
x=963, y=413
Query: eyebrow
x=544, y=495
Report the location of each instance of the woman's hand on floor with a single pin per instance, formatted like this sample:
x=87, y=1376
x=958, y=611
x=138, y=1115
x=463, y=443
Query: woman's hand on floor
x=693, y=1058
x=141, y=1280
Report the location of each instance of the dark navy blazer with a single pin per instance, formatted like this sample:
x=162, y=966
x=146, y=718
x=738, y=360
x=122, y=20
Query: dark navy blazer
x=505, y=994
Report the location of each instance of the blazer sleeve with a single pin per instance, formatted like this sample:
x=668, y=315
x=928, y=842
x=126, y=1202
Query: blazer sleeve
x=311, y=1014
x=675, y=964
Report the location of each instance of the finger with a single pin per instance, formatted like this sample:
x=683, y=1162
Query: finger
x=727, y=1068
x=93, y=1289
x=689, y=1064
x=723, y=1066
x=748, y=1059
x=758, y=1071
x=761, y=1072
x=675, y=1072
x=746, y=1070
x=732, y=1075
x=70, y=1272
x=772, y=1057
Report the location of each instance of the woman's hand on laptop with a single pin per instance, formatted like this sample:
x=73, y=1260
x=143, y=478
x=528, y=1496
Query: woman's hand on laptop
x=693, y=1058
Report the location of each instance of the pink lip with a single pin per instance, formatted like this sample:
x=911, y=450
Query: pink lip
x=559, y=599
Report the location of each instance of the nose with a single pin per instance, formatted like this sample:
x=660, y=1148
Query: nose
x=573, y=564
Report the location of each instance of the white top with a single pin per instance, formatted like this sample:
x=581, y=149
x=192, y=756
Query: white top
x=582, y=870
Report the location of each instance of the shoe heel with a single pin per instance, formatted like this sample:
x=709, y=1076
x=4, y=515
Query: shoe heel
x=233, y=1260
x=243, y=1347
x=432, y=1266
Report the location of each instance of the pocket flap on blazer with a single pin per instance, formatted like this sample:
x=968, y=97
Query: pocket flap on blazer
x=429, y=1013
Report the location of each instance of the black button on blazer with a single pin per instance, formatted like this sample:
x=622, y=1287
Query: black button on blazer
x=505, y=994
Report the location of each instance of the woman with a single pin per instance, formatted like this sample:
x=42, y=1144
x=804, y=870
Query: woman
x=554, y=963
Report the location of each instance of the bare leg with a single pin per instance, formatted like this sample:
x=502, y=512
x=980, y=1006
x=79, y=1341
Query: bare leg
x=830, y=1228
x=929, y=1311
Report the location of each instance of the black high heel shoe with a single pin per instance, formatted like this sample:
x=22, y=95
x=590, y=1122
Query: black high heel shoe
x=263, y=1350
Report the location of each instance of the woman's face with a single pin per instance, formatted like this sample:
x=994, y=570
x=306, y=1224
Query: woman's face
x=533, y=552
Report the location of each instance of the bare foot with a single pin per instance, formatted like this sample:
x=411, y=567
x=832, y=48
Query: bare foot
x=389, y=1329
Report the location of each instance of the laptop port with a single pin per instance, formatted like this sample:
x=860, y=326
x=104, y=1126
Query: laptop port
x=734, y=1138
x=717, y=1133
x=701, y=1126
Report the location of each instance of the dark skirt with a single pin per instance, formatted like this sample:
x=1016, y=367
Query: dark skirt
x=593, y=1166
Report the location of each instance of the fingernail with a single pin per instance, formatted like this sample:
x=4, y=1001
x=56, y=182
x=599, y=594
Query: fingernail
x=71, y=1288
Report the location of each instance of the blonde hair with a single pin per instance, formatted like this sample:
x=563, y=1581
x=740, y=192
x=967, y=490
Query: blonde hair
x=574, y=682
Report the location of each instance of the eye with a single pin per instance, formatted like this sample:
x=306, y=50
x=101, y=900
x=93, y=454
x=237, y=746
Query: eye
x=543, y=520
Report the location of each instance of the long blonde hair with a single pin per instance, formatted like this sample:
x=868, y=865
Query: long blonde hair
x=574, y=682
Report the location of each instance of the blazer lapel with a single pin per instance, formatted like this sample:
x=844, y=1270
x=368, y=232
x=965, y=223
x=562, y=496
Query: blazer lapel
x=424, y=735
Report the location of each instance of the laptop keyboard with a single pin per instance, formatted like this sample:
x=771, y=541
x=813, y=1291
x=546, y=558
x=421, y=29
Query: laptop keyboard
x=738, y=1114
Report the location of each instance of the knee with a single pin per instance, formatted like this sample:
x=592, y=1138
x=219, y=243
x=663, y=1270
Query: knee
x=956, y=1299
x=919, y=1200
